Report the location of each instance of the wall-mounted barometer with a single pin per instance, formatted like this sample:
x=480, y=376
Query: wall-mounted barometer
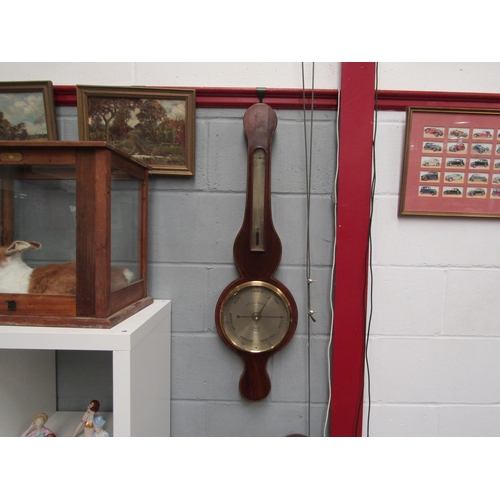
x=256, y=315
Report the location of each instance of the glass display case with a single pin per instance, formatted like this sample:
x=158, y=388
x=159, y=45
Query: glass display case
x=74, y=234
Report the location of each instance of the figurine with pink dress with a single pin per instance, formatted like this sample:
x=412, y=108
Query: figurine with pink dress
x=37, y=428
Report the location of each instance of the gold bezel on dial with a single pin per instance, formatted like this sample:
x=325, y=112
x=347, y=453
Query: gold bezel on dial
x=255, y=316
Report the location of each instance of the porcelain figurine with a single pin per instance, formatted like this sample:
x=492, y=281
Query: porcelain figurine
x=37, y=428
x=87, y=421
x=99, y=430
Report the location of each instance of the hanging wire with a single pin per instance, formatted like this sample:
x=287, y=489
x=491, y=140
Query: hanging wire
x=368, y=288
x=309, y=280
x=370, y=262
x=332, y=274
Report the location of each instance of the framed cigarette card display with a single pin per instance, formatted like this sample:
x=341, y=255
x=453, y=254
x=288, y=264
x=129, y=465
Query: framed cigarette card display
x=451, y=163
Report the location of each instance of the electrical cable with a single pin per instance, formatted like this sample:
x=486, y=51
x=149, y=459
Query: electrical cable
x=332, y=275
x=309, y=280
x=368, y=290
x=370, y=317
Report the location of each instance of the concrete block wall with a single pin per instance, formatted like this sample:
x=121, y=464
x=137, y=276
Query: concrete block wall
x=192, y=225
x=434, y=347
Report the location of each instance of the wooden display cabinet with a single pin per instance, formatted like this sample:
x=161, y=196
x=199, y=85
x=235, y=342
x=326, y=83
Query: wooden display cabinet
x=84, y=202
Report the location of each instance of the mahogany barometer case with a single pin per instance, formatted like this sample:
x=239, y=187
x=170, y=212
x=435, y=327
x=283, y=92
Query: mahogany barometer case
x=74, y=234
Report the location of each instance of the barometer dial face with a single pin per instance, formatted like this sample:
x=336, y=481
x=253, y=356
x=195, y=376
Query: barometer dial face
x=255, y=317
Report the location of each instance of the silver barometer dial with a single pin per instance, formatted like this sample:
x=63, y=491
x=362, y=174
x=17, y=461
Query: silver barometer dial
x=255, y=316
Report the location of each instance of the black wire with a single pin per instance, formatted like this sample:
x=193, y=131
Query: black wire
x=371, y=256
x=368, y=294
x=368, y=329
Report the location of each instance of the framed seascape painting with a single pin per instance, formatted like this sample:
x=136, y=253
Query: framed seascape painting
x=451, y=163
x=156, y=126
x=27, y=111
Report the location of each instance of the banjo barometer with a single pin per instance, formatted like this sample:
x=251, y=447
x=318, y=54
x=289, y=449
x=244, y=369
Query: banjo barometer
x=256, y=315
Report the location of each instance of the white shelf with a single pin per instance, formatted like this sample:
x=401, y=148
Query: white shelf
x=141, y=373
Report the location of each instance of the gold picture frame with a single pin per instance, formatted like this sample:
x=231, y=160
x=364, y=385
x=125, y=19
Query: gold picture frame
x=27, y=111
x=155, y=126
x=451, y=163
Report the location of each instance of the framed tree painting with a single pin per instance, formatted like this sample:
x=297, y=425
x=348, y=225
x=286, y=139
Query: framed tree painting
x=451, y=163
x=27, y=111
x=156, y=126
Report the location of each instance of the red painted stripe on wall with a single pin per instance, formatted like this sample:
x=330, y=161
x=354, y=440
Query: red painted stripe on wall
x=234, y=97
x=388, y=100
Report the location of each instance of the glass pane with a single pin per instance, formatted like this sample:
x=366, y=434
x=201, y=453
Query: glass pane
x=39, y=205
x=125, y=235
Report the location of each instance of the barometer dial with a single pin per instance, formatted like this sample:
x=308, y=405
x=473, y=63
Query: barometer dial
x=255, y=316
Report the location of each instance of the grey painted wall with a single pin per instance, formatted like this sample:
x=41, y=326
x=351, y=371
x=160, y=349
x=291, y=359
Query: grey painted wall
x=192, y=226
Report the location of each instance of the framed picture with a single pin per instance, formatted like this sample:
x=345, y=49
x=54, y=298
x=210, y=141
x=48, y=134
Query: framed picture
x=156, y=126
x=27, y=111
x=451, y=163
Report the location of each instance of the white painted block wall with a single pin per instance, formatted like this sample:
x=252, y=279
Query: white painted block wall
x=434, y=348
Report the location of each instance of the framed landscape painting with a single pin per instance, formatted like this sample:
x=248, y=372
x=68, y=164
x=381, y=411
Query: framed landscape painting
x=156, y=126
x=27, y=111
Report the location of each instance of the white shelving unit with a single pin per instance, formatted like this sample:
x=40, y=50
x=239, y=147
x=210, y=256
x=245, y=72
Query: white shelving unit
x=141, y=373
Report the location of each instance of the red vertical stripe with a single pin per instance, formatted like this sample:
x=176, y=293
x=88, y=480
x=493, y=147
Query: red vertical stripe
x=356, y=108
